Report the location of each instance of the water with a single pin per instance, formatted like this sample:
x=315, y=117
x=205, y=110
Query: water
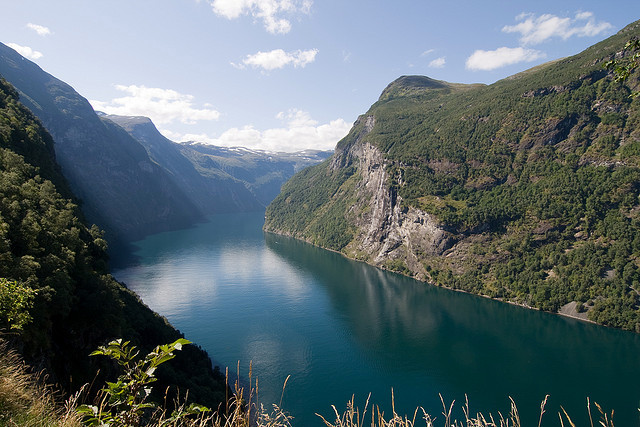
x=340, y=328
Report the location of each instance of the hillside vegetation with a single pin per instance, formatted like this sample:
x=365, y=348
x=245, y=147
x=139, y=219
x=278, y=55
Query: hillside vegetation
x=49, y=252
x=525, y=190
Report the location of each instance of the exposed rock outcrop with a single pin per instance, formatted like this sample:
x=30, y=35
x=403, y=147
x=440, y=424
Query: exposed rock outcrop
x=387, y=232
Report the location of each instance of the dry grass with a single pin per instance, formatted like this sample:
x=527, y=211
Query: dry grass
x=353, y=417
x=25, y=400
x=242, y=410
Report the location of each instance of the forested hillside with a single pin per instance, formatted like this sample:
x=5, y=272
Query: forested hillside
x=46, y=246
x=525, y=190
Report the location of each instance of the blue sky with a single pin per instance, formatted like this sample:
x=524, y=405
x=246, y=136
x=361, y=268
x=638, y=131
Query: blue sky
x=287, y=74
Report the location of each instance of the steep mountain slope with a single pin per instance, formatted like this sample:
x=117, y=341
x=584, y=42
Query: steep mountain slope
x=219, y=179
x=131, y=180
x=78, y=305
x=211, y=194
x=525, y=190
x=262, y=172
x=122, y=189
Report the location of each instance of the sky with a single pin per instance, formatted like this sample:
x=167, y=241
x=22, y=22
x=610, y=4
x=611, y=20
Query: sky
x=287, y=75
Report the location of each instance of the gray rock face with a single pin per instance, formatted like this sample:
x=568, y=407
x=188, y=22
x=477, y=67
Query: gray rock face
x=386, y=231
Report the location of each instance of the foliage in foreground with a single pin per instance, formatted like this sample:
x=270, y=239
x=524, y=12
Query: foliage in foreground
x=125, y=401
x=624, y=67
x=24, y=400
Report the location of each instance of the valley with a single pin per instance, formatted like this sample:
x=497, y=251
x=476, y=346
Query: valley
x=520, y=193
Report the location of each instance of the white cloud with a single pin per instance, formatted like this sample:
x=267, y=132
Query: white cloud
x=537, y=29
x=269, y=11
x=42, y=31
x=427, y=52
x=299, y=133
x=278, y=58
x=438, y=62
x=161, y=105
x=25, y=51
x=487, y=60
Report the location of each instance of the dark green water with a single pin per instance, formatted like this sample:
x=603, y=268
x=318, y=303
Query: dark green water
x=341, y=328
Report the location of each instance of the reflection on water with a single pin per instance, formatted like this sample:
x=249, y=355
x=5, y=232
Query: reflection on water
x=341, y=328
x=469, y=345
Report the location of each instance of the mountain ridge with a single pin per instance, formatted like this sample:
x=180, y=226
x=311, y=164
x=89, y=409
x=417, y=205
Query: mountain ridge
x=107, y=169
x=130, y=179
x=502, y=190
x=219, y=179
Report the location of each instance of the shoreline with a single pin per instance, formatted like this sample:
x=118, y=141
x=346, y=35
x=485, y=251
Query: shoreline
x=566, y=310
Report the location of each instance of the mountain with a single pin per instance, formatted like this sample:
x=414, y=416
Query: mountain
x=122, y=189
x=262, y=172
x=214, y=193
x=78, y=305
x=133, y=181
x=525, y=190
x=219, y=179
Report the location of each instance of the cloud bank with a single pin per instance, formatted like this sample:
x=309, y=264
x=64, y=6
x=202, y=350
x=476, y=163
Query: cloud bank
x=162, y=106
x=487, y=60
x=278, y=58
x=270, y=12
x=300, y=132
x=25, y=51
x=535, y=30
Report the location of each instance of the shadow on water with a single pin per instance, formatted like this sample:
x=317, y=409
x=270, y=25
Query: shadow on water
x=431, y=340
x=222, y=227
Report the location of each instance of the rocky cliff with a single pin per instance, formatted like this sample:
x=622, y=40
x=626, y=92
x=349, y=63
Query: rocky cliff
x=525, y=190
x=388, y=233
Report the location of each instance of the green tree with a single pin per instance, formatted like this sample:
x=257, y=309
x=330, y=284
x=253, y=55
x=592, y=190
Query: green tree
x=15, y=302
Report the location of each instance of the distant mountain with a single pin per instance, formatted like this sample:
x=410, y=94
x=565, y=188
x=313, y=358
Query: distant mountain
x=121, y=188
x=262, y=172
x=131, y=180
x=213, y=193
x=214, y=177
x=526, y=190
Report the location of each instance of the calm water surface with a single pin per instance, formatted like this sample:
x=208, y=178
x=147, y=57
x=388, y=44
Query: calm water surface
x=341, y=328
